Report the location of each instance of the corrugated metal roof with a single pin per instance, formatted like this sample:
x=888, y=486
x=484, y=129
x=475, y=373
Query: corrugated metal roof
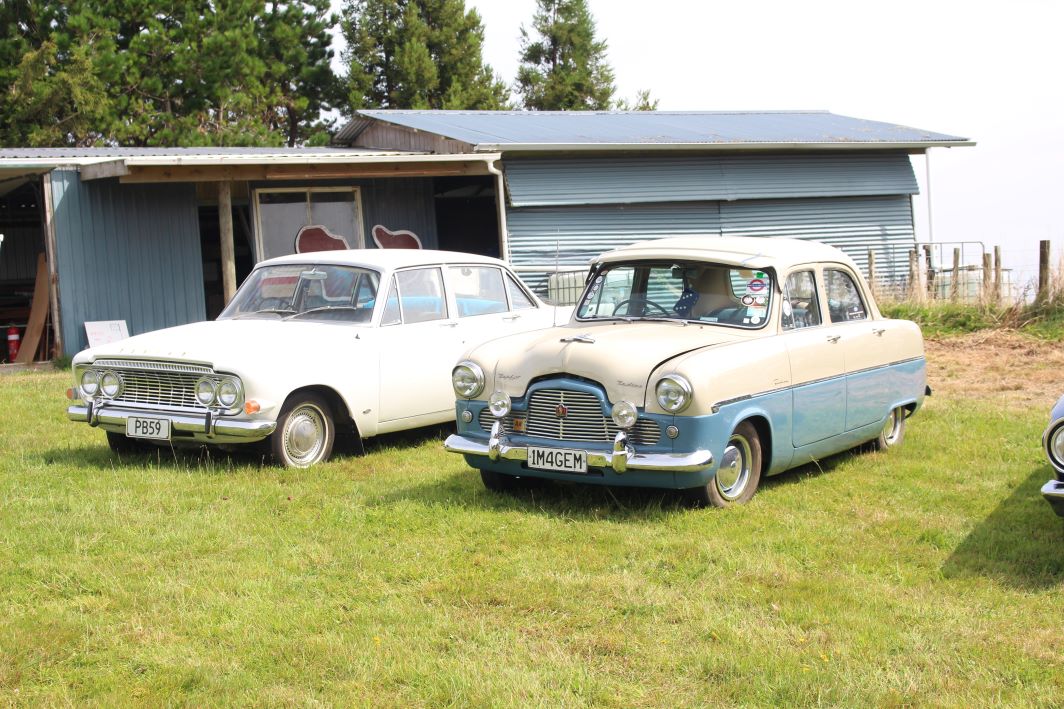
x=546, y=130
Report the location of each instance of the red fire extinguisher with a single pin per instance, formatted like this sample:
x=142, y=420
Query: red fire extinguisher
x=12, y=343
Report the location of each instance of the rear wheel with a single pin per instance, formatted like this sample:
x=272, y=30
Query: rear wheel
x=305, y=432
x=739, y=472
x=893, y=430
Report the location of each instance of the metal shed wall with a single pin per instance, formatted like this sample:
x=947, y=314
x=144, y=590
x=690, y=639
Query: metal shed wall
x=572, y=235
x=614, y=180
x=126, y=252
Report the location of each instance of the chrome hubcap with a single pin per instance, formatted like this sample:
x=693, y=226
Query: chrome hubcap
x=304, y=435
x=734, y=471
x=891, y=427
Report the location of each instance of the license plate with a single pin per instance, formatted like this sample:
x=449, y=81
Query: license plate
x=560, y=459
x=137, y=427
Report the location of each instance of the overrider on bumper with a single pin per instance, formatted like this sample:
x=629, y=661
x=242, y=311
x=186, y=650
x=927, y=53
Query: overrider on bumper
x=1053, y=492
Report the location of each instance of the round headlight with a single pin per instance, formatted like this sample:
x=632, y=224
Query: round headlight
x=206, y=390
x=228, y=393
x=467, y=379
x=1056, y=446
x=90, y=382
x=674, y=393
x=110, y=384
x=499, y=403
x=624, y=414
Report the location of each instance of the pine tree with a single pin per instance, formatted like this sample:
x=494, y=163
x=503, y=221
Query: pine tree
x=564, y=67
x=421, y=54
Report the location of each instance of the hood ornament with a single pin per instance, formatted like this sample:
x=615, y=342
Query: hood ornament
x=579, y=338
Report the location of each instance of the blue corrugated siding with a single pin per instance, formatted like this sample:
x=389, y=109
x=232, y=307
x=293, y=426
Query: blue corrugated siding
x=577, y=233
x=610, y=180
x=126, y=252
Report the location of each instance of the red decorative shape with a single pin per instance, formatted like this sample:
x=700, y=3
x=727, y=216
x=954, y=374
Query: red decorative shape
x=318, y=238
x=401, y=239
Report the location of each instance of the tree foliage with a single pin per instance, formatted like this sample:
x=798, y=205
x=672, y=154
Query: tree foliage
x=563, y=66
x=421, y=54
x=159, y=72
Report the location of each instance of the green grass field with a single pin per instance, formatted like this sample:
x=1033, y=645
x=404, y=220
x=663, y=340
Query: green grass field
x=930, y=575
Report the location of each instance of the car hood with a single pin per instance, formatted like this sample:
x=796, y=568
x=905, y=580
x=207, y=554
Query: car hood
x=620, y=355
x=233, y=345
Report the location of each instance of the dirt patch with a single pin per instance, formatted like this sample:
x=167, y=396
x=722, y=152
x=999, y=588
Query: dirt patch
x=1015, y=370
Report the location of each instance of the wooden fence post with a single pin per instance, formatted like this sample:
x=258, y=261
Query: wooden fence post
x=872, y=272
x=916, y=292
x=1043, y=270
x=985, y=295
x=930, y=272
x=956, y=277
x=997, y=274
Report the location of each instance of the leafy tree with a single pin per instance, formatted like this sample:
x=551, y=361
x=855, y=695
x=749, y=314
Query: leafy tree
x=423, y=54
x=564, y=67
x=642, y=102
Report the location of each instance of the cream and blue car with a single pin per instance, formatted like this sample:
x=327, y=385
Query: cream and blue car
x=694, y=363
x=1053, y=440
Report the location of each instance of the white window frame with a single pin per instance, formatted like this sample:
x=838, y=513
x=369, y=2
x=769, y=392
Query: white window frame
x=359, y=236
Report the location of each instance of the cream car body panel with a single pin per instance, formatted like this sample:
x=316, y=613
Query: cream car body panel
x=798, y=348
x=385, y=377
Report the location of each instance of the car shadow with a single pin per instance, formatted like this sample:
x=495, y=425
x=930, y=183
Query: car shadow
x=1020, y=543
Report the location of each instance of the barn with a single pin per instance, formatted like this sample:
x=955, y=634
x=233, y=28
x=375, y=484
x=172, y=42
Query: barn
x=159, y=237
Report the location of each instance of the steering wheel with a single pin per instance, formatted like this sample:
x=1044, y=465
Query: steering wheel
x=644, y=301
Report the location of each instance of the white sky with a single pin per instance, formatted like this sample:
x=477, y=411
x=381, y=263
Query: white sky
x=988, y=71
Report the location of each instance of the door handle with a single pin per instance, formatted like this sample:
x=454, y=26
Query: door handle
x=879, y=331
x=452, y=323
x=511, y=318
x=833, y=338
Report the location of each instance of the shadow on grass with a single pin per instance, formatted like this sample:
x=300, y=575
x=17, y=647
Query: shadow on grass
x=1021, y=543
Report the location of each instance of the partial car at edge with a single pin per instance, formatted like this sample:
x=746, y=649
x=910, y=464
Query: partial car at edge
x=1053, y=442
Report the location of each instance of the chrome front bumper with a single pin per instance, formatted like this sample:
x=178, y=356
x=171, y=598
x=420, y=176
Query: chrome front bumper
x=623, y=457
x=206, y=428
x=1053, y=491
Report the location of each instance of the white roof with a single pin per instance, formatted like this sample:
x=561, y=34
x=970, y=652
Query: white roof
x=384, y=259
x=754, y=252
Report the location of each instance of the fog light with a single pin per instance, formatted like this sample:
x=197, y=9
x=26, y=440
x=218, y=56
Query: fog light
x=467, y=416
x=624, y=414
x=499, y=404
x=672, y=431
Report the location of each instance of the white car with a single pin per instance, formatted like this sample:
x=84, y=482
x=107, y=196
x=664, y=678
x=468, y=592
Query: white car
x=308, y=351
x=694, y=363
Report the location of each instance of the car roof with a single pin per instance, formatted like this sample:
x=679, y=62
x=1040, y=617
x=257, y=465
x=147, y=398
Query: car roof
x=383, y=259
x=750, y=251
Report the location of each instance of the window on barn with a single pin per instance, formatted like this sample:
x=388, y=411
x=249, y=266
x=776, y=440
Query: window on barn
x=282, y=213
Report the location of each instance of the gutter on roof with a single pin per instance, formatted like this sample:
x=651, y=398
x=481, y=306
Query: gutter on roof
x=665, y=147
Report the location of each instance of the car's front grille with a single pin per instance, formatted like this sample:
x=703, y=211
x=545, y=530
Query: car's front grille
x=583, y=420
x=149, y=383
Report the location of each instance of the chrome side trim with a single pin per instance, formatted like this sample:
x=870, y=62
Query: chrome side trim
x=621, y=459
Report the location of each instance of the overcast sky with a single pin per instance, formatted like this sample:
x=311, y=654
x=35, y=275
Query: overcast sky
x=988, y=71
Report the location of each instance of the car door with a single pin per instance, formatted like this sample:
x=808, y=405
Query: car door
x=867, y=379
x=419, y=343
x=817, y=362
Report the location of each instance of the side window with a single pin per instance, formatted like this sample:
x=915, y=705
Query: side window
x=391, y=306
x=800, y=305
x=421, y=295
x=519, y=300
x=478, y=290
x=844, y=298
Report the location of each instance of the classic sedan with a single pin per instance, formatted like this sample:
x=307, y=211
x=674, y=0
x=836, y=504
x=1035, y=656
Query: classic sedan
x=1053, y=440
x=312, y=347
x=695, y=363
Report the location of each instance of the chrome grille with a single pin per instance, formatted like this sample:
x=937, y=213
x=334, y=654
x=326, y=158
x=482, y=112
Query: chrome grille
x=157, y=383
x=584, y=421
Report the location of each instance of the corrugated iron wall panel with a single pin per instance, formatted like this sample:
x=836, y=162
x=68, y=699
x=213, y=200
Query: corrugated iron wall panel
x=126, y=252
x=612, y=180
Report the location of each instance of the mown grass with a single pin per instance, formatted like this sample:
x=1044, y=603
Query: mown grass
x=928, y=575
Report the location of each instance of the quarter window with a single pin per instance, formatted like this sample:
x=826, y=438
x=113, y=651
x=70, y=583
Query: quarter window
x=844, y=298
x=800, y=305
x=519, y=300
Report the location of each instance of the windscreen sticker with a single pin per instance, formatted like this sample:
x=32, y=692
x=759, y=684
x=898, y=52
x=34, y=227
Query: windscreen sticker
x=755, y=285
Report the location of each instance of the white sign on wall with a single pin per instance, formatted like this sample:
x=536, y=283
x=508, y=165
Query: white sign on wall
x=103, y=332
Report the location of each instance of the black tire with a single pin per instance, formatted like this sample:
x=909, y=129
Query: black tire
x=893, y=432
x=305, y=432
x=738, y=474
x=124, y=445
x=497, y=482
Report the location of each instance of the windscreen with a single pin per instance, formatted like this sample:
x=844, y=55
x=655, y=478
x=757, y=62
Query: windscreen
x=306, y=292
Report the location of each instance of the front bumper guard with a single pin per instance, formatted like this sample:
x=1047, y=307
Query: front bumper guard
x=622, y=458
x=1053, y=491
x=203, y=427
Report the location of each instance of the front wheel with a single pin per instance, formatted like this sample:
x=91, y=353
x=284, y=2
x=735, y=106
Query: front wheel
x=739, y=472
x=893, y=431
x=305, y=432
x=120, y=443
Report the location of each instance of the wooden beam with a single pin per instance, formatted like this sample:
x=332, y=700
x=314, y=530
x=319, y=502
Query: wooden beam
x=101, y=170
x=300, y=171
x=38, y=314
x=225, y=235
x=194, y=173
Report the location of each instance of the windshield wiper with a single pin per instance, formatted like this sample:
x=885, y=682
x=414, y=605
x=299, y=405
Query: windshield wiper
x=274, y=311
x=635, y=318
x=323, y=308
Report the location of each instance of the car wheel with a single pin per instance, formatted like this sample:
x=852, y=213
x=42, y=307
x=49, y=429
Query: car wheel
x=739, y=472
x=893, y=430
x=120, y=443
x=305, y=432
x=498, y=482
